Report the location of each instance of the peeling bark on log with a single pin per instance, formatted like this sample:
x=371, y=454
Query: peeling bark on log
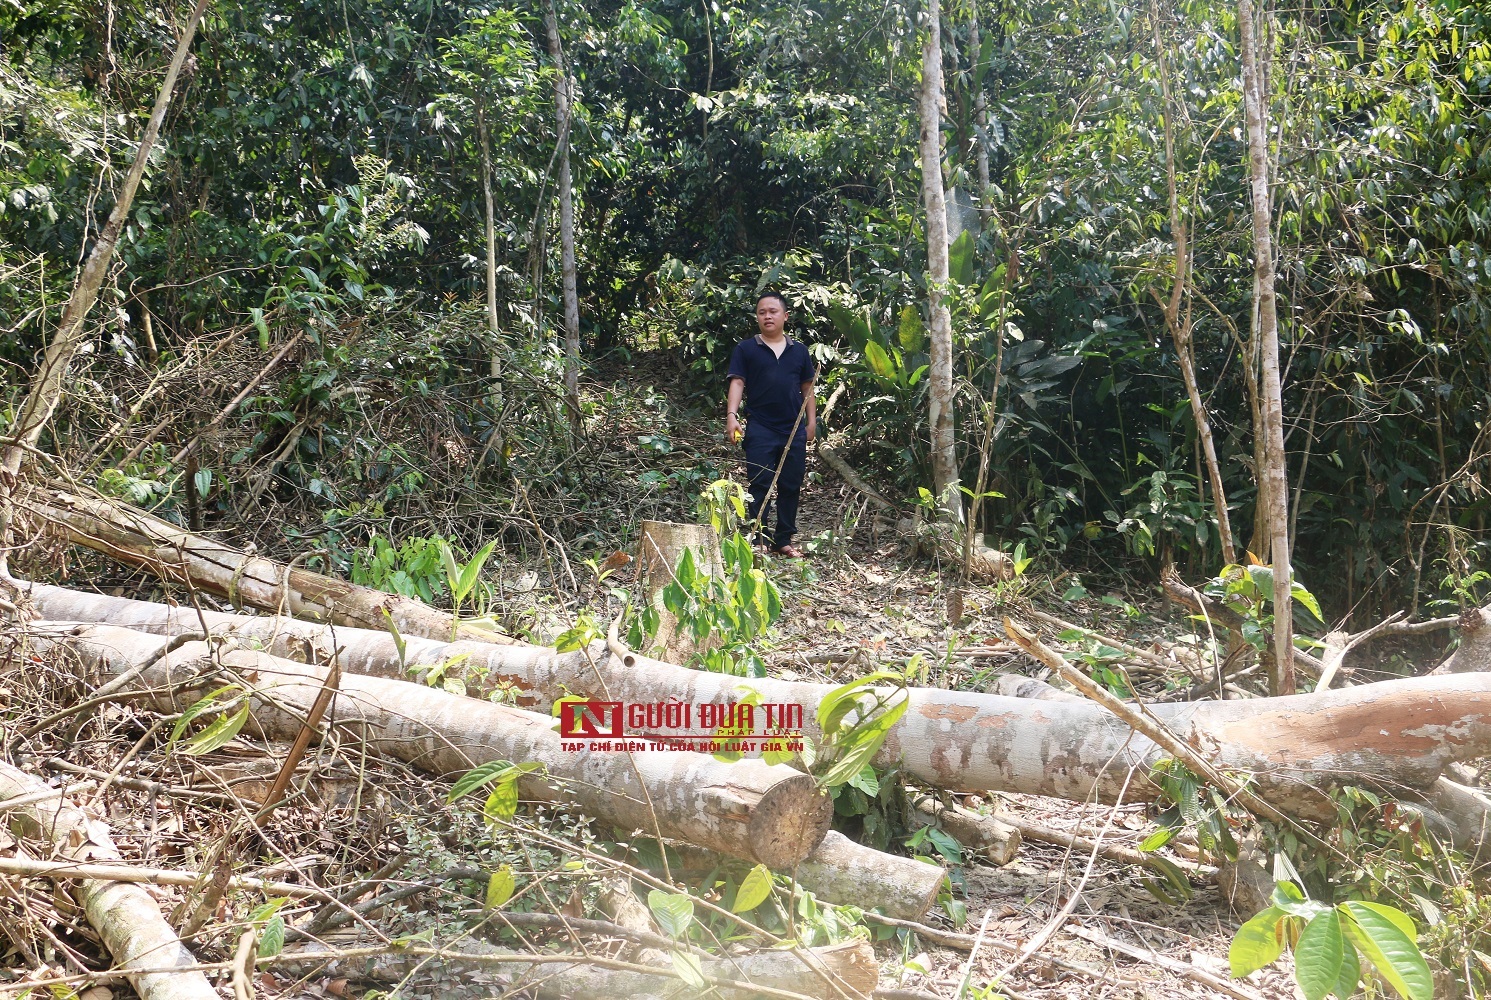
x=761, y=812
x=842, y=871
x=125, y=916
x=140, y=539
x=849, y=966
x=1394, y=734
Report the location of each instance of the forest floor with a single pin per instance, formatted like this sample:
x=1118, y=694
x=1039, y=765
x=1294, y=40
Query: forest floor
x=860, y=600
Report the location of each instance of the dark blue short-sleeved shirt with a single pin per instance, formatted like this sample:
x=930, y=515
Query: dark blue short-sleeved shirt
x=773, y=385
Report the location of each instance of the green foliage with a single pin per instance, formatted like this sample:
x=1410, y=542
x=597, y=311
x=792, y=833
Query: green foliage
x=502, y=776
x=230, y=703
x=1332, y=944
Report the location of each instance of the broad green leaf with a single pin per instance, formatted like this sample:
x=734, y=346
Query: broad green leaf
x=471, y=572
x=911, y=332
x=850, y=325
x=991, y=295
x=673, y=911
x=1351, y=970
x=448, y=559
x=257, y=315
x=478, y=777
x=879, y=361
x=264, y=911
x=1257, y=943
x=500, y=887
x=202, y=481
x=754, y=889
x=688, y=968
x=217, y=734
x=866, y=781
x=1318, y=956
x=272, y=938
x=960, y=259
x=1306, y=598
x=867, y=740
x=502, y=804
x=204, y=704
x=1393, y=954
x=1158, y=839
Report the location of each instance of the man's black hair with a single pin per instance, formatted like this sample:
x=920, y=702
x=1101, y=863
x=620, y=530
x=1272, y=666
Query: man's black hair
x=772, y=293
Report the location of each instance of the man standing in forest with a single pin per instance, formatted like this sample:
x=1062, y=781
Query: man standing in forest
x=774, y=375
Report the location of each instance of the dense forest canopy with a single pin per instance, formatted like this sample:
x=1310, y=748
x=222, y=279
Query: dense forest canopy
x=321, y=171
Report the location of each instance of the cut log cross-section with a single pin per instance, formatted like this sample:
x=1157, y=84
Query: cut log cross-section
x=140, y=539
x=768, y=813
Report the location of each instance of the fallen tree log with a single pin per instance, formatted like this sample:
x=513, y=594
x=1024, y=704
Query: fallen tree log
x=846, y=970
x=1391, y=734
x=762, y=812
x=124, y=915
x=174, y=554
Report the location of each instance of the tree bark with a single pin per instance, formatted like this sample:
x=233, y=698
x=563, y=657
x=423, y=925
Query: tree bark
x=940, y=371
x=845, y=971
x=563, y=112
x=980, y=114
x=841, y=870
x=1393, y=734
x=767, y=813
x=140, y=539
x=46, y=386
x=485, y=138
x=1179, y=322
x=124, y=915
x=1271, y=430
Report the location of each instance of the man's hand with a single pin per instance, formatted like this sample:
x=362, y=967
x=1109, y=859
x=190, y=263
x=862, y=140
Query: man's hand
x=732, y=429
x=812, y=430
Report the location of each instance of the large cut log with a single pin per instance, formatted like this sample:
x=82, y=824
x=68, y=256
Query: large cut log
x=762, y=812
x=843, y=871
x=172, y=553
x=845, y=971
x=1393, y=734
x=124, y=915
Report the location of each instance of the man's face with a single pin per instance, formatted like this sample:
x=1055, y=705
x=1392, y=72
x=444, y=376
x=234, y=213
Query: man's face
x=770, y=316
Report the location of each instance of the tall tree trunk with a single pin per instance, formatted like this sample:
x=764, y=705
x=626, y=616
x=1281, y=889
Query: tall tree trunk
x=940, y=374
x=980, y=113
x=46, y=386
x=1178, y=321
x=1255, y=94
x=563, y=113
x=485, y=138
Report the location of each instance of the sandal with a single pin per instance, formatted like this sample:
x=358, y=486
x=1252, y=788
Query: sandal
x=788, y=551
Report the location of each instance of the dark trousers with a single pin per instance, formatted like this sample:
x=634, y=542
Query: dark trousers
x=763, y=450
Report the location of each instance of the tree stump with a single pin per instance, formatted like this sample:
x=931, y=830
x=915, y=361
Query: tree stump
x=662, y=546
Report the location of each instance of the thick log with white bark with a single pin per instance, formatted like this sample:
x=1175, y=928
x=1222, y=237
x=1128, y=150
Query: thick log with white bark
x=124, y=915
x=172, y=553
x=761, y=812
x=845, y=971
x=1395, y=734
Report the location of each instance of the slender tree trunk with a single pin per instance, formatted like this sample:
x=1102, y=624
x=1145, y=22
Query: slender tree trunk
x=980, y=114
x=46, y=386
x=563, y=112
x=491, y=232
x=1178, y=322
x=940, y=375
x=1255, y=93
